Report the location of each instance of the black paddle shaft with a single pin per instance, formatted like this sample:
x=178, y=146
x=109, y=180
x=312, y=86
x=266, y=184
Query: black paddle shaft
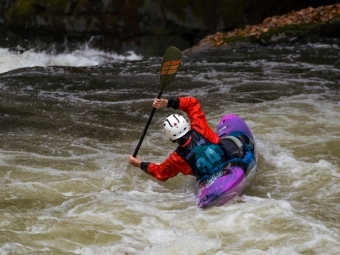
x=170, y=64
x=146, y=127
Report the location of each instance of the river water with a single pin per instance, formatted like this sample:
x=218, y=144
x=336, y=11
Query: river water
x=69, y=121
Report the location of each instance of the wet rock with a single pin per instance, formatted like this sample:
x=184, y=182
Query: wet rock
x=321, y=21
x=145, y=26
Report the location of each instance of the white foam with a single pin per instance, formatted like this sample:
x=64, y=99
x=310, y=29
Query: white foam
x=109, y=207
x=10, y=60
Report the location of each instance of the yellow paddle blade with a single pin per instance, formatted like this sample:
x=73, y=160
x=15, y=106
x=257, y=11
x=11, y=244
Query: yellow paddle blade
x=171, y=61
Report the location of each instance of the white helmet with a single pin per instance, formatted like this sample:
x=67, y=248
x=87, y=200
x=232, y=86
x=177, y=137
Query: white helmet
x=175, y=126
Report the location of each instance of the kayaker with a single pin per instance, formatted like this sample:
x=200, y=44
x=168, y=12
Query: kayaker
x=199, y=149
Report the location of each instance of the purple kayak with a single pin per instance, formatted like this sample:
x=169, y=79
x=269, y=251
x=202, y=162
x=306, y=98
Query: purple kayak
x=222, y=185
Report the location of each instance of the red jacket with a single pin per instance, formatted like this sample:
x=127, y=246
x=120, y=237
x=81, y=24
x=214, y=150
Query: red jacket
x=174, y=164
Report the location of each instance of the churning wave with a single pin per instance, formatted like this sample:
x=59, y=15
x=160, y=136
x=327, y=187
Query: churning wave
x=10, y=60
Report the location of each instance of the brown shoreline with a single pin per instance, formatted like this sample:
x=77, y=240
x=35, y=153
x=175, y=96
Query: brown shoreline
x=294, y=24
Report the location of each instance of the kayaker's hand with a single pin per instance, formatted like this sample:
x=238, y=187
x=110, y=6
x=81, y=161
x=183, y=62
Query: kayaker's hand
x=134, y=161
x=160, y=103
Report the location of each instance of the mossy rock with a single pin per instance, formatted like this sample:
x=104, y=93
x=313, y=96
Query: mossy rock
x=234, y=39
x=62, y=6
x=21, y=12
x=288, y=32
x=329, y=28
x=28, y=8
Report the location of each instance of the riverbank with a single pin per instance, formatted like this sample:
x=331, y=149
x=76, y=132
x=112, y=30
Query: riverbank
x=145, y=27
x=323, y=21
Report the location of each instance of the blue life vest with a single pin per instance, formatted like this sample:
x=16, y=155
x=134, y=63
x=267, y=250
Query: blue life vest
x=202, y=155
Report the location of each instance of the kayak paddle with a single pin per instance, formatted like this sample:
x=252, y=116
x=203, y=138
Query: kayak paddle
x=170, y=64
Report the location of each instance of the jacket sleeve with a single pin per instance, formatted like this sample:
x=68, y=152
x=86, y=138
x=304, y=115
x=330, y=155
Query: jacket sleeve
x=173, y=165
x=197, y=118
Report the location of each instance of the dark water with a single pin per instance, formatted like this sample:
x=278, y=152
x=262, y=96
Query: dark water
x=66, y=133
